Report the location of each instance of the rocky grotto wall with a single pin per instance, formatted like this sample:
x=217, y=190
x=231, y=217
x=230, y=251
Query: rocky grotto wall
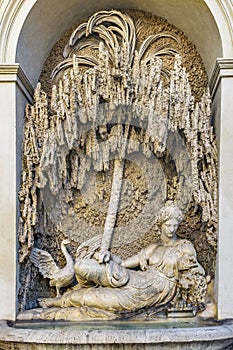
x=71, y=199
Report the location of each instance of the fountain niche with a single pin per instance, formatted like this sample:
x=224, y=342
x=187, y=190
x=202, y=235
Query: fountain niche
x=118, y=225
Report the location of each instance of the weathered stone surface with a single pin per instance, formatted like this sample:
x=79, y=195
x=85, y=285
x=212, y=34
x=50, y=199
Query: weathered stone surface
x=206, y=337
x=119, y=101
x=149, y=24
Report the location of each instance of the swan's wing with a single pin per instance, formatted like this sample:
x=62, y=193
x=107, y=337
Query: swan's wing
x=88, y=248
x=45, y=263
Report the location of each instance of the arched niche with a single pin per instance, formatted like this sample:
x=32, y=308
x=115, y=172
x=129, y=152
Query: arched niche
x=37, y=37
x=30, y=28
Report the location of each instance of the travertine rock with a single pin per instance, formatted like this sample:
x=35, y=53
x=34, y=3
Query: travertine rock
x=119, y=103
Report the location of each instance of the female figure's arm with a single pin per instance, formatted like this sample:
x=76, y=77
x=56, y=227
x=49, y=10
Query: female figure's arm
x=140, y=259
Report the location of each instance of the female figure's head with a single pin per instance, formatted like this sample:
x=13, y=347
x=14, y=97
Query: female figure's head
x=169, y=218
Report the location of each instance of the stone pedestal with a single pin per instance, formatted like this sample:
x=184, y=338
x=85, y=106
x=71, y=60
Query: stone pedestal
x=118, y=336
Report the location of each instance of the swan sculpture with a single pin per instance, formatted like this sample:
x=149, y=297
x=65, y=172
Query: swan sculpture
x=59, y=277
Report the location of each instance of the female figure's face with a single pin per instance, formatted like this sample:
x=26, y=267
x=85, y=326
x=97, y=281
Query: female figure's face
x=168, y=230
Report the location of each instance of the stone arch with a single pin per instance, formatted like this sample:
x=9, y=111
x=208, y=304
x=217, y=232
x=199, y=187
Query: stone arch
x=207, y=23
x=25, y=40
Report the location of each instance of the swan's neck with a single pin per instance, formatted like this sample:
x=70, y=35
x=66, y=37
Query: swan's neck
x=66, y=254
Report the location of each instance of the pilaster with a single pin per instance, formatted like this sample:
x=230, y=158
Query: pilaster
x=222, y=91
x=15, y=92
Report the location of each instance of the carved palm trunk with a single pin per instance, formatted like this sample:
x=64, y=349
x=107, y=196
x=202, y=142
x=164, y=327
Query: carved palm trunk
x=115, y=197
x=113, y=204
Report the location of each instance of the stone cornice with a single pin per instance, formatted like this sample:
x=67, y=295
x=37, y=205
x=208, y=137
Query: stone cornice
x=223, y=69
x=14, y=73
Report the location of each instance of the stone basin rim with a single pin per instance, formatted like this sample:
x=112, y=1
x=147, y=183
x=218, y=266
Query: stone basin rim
x=131, y=336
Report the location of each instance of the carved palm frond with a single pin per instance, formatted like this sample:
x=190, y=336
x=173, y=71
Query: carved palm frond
x=89, y=61
x=115, y=22
x=77, y=34
x=91, y=43
x=165, y=49
x=112, y=27
x=116, y=32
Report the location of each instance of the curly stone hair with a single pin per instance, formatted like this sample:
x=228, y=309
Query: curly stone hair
x=168, y=212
